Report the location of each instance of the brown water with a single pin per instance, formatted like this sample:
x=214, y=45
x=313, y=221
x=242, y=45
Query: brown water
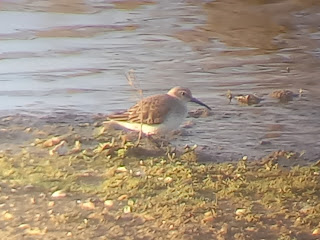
x=71, y=56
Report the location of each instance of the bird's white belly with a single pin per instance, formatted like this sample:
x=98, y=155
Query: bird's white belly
x=171, y=122
x=145, y=128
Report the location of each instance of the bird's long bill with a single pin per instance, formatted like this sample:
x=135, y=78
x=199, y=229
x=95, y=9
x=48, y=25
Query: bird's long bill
x=199, y=102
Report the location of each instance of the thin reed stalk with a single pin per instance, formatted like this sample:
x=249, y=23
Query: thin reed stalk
x=135, y=84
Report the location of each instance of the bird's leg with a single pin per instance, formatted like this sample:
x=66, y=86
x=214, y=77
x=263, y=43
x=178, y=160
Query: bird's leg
x=158, y=142
x=139, y=138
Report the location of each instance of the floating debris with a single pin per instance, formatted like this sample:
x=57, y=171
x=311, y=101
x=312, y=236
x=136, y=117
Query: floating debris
x=200, y=113
x=229, y=96
x=248, y=99
x=283, y=95
x=187, y=124
x=300, y=92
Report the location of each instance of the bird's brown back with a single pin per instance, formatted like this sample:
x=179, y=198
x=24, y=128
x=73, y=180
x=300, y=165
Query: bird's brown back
x=150, y=110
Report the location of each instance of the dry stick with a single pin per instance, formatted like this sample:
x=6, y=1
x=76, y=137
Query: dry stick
x=130, y=75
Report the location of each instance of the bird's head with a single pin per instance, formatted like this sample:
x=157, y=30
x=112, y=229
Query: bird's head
x=185, y=95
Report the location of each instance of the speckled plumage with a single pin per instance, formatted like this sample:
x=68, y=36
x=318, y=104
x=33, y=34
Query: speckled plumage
x=158, y=114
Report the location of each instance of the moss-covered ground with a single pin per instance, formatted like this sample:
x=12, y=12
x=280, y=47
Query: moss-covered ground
x=102, y=186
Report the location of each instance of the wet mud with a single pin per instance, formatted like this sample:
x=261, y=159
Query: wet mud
x=80, y=179
x=72, y=56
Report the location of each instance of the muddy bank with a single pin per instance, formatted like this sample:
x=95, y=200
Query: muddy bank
x=72, y=57
x=83, y=181
x=20, y=130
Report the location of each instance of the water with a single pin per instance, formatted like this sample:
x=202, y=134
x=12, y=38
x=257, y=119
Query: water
x=58, y=56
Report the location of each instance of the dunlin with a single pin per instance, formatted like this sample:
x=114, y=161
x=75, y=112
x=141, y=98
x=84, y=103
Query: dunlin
x=158, y=114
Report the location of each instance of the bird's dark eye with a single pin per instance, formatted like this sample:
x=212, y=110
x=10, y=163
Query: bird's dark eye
x=183, y=93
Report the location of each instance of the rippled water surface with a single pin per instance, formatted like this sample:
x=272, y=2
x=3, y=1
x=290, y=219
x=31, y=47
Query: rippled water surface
x=72, y=56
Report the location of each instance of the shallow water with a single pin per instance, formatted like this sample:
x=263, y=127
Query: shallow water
x=72, y=57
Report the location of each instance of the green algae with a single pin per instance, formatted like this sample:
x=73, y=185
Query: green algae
x=173, y=196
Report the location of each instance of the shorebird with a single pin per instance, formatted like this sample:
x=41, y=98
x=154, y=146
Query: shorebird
x=157, y=114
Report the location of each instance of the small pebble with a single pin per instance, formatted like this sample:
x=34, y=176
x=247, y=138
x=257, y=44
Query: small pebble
x=130, y=202
x=76, y=148
x=29, y=187
x=35, y=231
x=60, y=149
x=263, y=142
x=123, y=197
x=127, y=209
x=88, y=206
x=306, y=209
x=52, y=142
x=188, y=124
x=208, y=219
x=59, y=194
x=24, y=226
x=108, y=203
x=316, y=231
x=167, y=180
x=121, y=170
x=27, y=130
x=241, y=211
x=8, y=216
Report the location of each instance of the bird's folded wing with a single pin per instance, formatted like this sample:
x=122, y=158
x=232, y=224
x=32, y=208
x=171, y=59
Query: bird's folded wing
x=150, y=110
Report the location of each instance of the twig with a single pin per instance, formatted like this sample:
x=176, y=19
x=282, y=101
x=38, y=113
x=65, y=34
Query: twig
x=131, y=77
